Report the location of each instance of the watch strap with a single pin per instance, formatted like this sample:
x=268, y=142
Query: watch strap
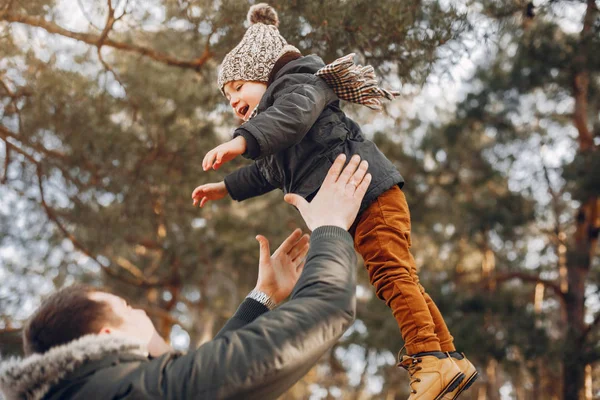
x=262, y=298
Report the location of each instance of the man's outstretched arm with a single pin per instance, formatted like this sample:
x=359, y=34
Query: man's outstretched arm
x=266, y=357
x=278, y=274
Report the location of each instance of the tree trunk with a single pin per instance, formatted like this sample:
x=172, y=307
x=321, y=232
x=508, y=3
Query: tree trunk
x=573, y=377
x=573, y=360
x=573, y=355
x=493, y=383
x=582, y=247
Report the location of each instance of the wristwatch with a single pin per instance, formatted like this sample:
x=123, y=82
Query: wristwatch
x=262, y=298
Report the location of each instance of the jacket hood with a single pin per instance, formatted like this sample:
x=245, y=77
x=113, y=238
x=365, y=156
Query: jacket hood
x=303, y=65
x=32, y=377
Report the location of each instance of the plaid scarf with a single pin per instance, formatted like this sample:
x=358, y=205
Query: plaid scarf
x=355, y=83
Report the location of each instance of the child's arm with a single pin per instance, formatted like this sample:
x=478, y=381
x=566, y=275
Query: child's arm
x=247, y=182
x=280, y=126
x=241, y=184
x=291, y=116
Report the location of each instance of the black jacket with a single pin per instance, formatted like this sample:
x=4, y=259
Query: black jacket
x=252, y=357
x=297, y=134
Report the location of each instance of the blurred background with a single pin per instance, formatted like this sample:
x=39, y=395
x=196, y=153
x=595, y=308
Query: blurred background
x=108, y=107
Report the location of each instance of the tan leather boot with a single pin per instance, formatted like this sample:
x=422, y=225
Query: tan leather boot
x=431, y=377
x=470, y=376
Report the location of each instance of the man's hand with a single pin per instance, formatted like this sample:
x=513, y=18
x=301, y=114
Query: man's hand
x=278, y=273
x=224, y=153
x=338, y=200
x=209, y=191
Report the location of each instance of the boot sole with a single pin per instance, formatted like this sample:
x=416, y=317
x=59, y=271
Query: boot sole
x=452, y=385
x=470, y=381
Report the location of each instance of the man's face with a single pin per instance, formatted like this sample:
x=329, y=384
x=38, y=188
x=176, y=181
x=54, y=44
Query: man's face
x=244, y=96
x=135, y=324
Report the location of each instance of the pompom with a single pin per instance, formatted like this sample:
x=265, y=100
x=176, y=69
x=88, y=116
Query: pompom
x=264, y=14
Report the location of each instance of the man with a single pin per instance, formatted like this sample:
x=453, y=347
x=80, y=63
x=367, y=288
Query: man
x=257, y=355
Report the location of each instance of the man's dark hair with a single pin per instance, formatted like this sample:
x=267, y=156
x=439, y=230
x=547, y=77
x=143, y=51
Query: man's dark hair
x=65, y=316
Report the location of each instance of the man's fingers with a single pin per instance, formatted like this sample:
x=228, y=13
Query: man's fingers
x=296, y=201
x=289, y=243
x=265, y=251
x=349, y=170
x=203, y=202
x=335, y=170
x=361, y=190
x=300, y=267
x=301, y=253
x=359, y=174
x=299, y=247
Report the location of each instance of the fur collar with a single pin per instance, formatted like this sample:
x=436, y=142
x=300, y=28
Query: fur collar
x=32, y=377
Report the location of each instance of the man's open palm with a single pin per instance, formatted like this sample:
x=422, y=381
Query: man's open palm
x=278, y=273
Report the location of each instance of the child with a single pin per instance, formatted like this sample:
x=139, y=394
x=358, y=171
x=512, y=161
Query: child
x=294, y=129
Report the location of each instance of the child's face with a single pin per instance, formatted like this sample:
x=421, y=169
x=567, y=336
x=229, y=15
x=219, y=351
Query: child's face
x=244, y=96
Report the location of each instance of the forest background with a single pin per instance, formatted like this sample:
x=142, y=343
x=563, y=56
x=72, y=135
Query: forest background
x=108, y=107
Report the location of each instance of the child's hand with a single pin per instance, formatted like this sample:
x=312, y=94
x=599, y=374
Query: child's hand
x=224, y=153
x=209, y=191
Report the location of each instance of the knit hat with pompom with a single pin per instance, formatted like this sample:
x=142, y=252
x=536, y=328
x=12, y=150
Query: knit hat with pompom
x=254, y=57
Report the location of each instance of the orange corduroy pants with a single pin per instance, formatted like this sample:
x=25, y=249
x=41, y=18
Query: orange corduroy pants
x=382, y=237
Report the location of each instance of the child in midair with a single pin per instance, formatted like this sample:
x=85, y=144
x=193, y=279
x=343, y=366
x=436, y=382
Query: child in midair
x=294, y=129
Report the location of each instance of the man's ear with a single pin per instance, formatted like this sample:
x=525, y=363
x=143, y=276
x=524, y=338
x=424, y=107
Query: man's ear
x=105, y=330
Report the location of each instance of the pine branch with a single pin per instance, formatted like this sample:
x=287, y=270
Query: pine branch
x=44, y=153
x=5, y=133
x=103, y=40
x=592, y=325
x=555, y=199
x=529, y=278
x=110, y=21
x=138, y=280
x=4, y=178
